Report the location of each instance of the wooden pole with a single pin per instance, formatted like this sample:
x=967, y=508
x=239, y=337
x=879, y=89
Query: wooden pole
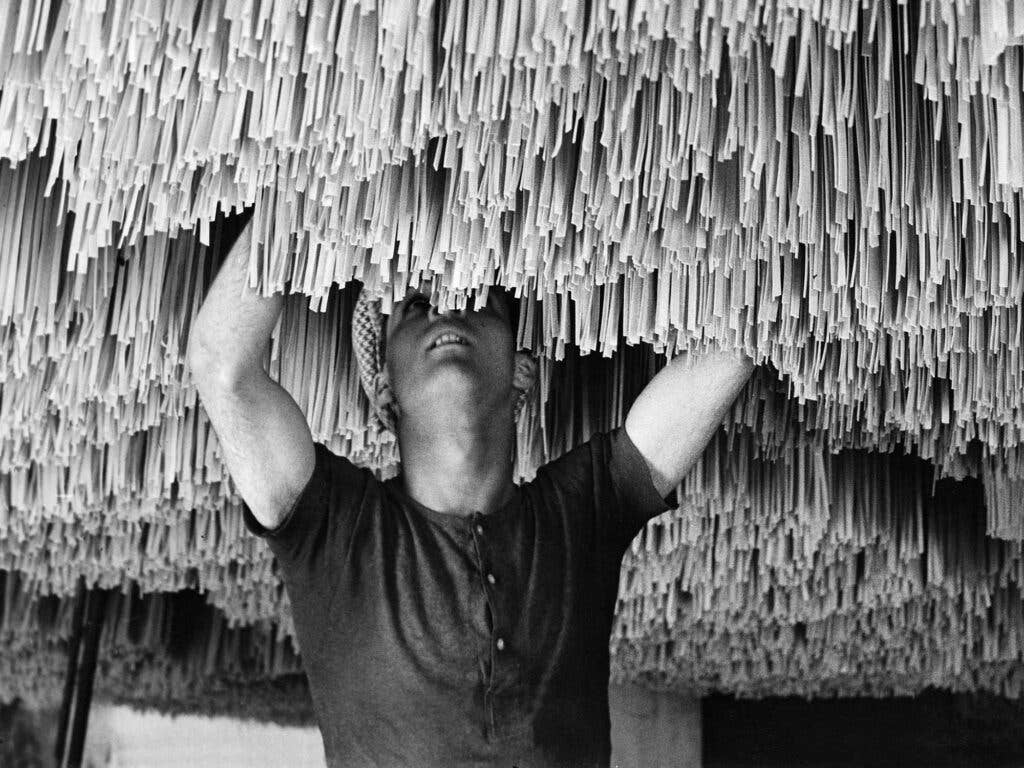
x=69, y=681
x=86, y=674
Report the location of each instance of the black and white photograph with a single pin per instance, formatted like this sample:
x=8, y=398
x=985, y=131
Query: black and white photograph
x=511, y=383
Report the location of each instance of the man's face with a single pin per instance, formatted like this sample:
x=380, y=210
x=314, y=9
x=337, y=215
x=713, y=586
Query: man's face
x=429, y=372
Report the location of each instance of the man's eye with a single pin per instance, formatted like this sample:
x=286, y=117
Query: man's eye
x=494, y=303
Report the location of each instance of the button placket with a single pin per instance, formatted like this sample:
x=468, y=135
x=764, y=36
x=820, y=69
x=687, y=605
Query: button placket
x=499, y=641
x=487, y=573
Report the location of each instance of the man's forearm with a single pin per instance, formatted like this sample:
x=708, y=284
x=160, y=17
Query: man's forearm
x=234, y=323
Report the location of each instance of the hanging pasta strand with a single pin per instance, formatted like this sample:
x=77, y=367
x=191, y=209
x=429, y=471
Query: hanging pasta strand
x=836, y=188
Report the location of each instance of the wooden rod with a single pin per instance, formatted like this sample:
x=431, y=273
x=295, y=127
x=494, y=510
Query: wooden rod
x=69, y=680
x=86, y=675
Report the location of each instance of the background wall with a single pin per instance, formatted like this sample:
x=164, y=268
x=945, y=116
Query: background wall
x=652, y=729
x=936, y=728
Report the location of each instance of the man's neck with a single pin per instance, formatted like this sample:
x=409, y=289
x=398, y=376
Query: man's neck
x=457, y=466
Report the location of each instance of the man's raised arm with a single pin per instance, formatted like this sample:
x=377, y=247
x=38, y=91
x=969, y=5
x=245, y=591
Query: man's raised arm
x=679, y=410
x=267, y=444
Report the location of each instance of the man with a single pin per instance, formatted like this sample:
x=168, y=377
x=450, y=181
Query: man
x=447, y=616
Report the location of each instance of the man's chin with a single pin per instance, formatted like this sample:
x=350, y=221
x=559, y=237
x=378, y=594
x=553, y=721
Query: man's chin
x=453, y=382
x=453, y=385
x=452, y=371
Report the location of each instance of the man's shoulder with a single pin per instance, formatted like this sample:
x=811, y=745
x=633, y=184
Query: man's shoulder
x=585, y=451
x=576, y=466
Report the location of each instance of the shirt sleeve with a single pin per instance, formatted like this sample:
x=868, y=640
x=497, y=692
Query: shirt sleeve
x=316, y=530
x=609, y=478
x=630, y=477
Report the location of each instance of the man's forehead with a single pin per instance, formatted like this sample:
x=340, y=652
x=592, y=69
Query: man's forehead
x=426, y=287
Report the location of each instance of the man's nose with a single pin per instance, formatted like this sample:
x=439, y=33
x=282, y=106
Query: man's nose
x=436, y=313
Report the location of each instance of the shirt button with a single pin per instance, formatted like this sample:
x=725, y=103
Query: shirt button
x=500, y=644
x=490, y=578
x=479, y=530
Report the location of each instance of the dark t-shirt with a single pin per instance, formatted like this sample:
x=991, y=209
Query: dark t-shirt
x=439, y=640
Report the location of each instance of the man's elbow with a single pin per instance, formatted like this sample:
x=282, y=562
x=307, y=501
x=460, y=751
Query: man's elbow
x=734, y=369
x=200, y=356
x=210, y=367
x=740, y=362
x=717, y=377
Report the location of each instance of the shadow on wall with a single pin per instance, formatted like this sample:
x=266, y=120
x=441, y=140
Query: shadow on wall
x=26, y=737
x=937, y=729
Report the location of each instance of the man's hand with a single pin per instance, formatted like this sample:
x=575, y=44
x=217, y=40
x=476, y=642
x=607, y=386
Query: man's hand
x=676, y=415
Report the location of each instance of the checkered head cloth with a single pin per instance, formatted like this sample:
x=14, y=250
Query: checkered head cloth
x=368, y=346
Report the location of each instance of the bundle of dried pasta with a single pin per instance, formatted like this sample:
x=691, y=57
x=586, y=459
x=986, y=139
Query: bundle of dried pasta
x=749, y=588
x=170, y=647
x=836, y=190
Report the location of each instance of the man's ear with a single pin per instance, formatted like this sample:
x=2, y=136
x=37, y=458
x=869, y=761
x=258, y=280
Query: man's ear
x=525, y=375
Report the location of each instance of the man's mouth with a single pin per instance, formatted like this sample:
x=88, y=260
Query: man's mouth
x=447, y=338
